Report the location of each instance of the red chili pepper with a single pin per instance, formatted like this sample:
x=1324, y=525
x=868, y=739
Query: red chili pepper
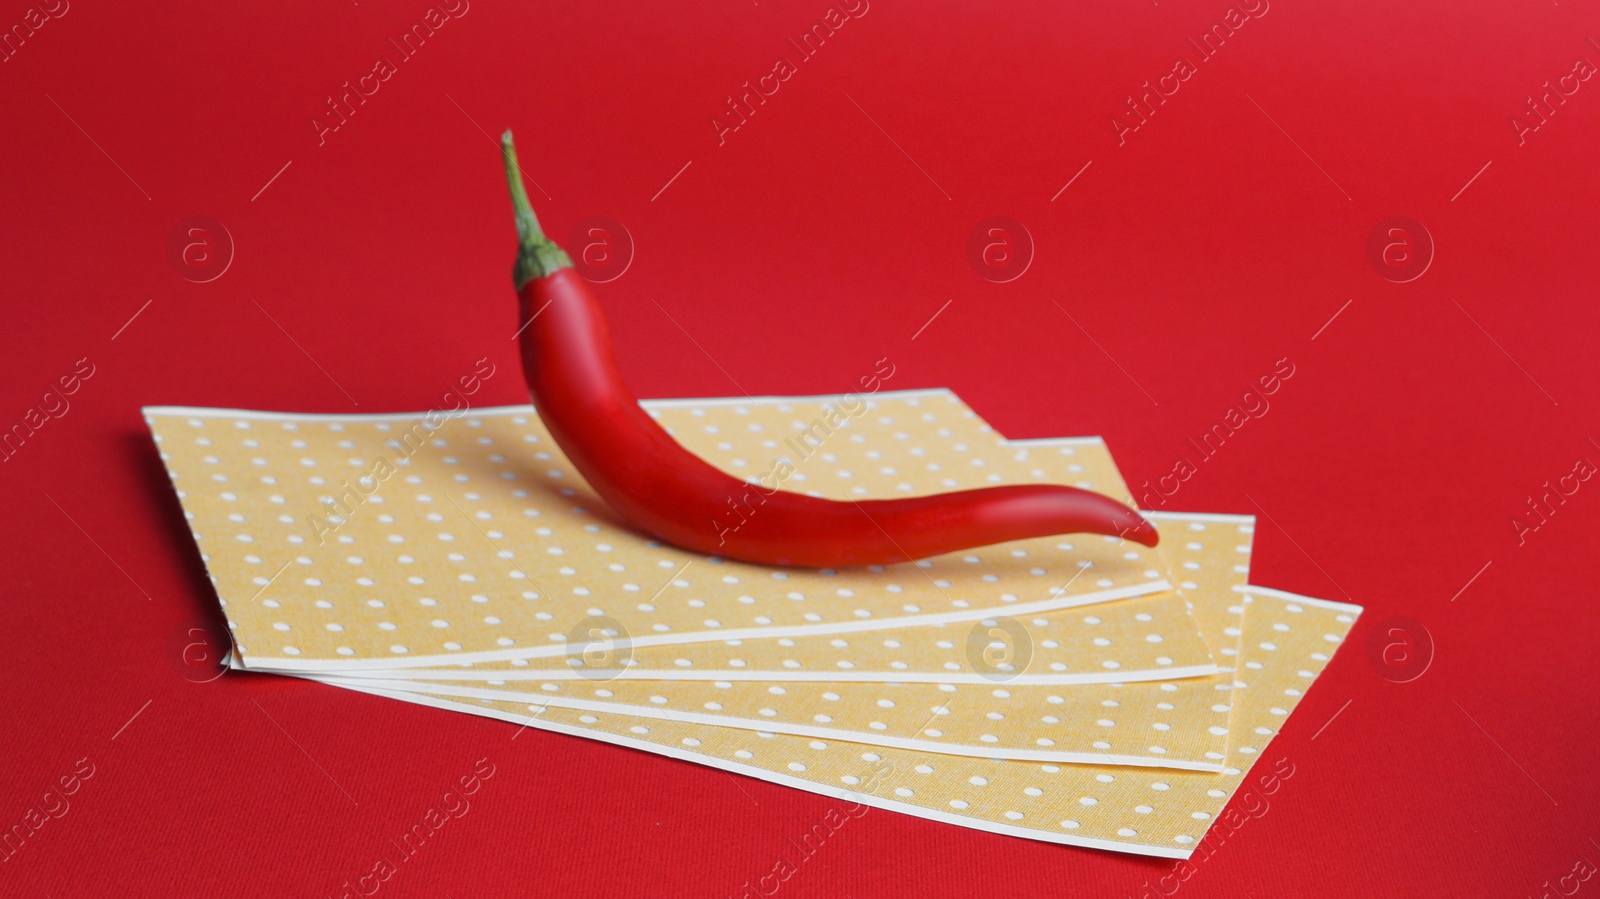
x=665, y=490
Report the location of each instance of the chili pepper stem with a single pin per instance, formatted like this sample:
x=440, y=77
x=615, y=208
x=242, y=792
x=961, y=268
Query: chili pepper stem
x=537, y=255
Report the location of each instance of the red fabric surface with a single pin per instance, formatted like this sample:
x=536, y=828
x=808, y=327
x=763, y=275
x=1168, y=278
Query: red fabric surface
x=820, y=236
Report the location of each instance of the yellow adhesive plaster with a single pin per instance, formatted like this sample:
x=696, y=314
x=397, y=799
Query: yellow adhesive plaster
x=1197, y=546
x=1176, y=723
x=1287, y=641
x=1146, y=638
x=1149, y=638
x=382, y=541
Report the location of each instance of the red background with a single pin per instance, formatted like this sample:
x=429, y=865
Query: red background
x=1222, y=236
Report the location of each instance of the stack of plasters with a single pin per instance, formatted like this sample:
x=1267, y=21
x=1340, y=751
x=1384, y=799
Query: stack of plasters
x=1075, y=689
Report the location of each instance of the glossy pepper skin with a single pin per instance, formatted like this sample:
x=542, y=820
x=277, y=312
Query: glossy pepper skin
x=663, y=489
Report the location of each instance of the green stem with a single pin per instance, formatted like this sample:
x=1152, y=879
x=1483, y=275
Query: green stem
x=537, y=255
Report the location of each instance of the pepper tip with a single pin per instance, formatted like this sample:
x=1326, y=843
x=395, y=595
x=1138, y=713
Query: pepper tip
x=1143, y=532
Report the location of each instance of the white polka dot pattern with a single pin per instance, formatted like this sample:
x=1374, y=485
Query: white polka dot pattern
x=1148, y=638
x=1140, y=639
x=350, y=542
x=394, y=579
x=1141, y=810
x=1178, y=723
